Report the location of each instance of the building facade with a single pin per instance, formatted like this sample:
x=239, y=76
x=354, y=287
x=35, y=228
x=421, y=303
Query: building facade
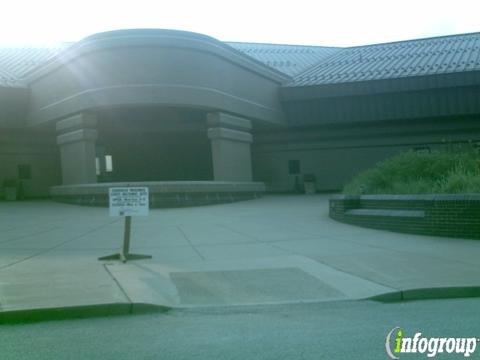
x=162, y=105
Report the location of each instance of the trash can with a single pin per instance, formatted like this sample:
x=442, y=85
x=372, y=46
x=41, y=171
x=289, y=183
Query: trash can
x=309, y=183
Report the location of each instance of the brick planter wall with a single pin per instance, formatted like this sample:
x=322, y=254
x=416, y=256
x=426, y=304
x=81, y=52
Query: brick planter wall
x=443, y=215
x=163, y=194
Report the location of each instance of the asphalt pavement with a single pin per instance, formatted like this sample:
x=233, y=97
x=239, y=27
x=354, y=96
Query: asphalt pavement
x=324, y=330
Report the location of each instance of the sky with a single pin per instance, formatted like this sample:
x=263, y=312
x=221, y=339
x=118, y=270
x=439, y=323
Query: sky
x=329, y=23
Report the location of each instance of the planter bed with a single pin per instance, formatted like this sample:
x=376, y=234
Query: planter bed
x=443, y=215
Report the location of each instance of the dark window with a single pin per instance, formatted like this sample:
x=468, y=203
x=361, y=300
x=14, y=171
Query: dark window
x=24, y=172
x=294, y=167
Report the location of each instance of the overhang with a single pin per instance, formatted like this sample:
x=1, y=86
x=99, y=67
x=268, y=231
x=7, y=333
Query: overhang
x=154, y=67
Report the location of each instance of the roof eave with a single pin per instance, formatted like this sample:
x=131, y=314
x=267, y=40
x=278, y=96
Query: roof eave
x=368, y=87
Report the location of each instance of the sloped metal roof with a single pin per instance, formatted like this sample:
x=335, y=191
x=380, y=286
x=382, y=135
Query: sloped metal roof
x=446, y=54
x=15, y=62
x=288, y=59
x=7, y=79
x=310, y=65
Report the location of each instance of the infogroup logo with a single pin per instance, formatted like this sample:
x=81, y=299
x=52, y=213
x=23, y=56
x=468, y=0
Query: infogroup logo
x=397, y=343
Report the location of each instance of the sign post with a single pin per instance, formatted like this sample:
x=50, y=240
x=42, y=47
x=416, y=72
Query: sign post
x=127, y=202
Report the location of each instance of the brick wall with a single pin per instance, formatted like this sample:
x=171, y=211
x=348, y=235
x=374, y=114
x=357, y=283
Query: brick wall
x=444, y=215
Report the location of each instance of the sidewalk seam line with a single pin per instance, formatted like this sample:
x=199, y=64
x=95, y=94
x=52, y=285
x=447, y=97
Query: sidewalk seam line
x=120, y=287
x=346, y=272
x=274, y=245
x=44, y=251
x=356, y=275
x=256, y=239
x=29, y=235
x=190, y=243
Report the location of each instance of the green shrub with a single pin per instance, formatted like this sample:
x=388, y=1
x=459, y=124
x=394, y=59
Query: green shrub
x=451, y=171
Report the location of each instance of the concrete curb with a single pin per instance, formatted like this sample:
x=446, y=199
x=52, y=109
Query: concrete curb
x=428, y=294
x=119, y=309
x=78, y=312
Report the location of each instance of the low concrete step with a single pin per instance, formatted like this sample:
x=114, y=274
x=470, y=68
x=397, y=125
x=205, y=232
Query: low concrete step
x=387, y=212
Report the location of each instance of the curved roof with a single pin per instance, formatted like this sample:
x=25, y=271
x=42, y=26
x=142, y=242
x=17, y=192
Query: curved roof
x=438, y=55
x=16, y=62
x=309, y=65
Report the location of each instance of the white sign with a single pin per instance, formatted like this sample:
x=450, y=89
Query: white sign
x=128, y=201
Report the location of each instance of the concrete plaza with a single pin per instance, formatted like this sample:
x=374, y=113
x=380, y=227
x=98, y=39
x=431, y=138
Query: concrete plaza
x=277, y=249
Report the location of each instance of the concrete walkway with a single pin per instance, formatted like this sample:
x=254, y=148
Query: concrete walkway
x=271, y=250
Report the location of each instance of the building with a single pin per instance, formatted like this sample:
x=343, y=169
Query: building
x=162, y=105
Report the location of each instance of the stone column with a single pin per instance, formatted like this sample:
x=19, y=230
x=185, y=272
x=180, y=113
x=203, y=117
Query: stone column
x=76, y=139
x=230, y=141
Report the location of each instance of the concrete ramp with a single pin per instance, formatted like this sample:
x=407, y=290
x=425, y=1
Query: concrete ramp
x=251, y=286
x=287, y=279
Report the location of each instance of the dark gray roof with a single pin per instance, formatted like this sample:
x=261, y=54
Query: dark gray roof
x=288, y=59
x=446, y=54
x=15, y=62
